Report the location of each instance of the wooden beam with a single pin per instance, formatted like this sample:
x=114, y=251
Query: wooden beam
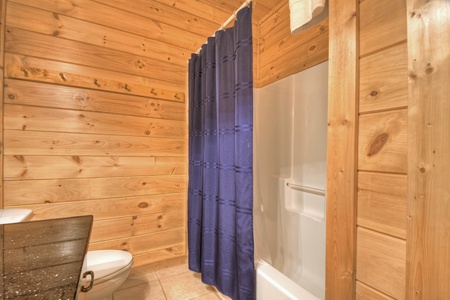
x=342, y=150
x=428, y=242
x=2, y=67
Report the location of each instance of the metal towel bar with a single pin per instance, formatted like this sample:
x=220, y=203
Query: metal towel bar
x=306, y=189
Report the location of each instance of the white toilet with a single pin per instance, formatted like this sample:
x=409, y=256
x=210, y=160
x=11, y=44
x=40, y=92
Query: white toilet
x=15, y=215
x=111, y=268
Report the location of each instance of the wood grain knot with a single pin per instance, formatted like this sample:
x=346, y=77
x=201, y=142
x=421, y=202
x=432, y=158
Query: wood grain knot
x=76, y=159
x=143, y=205
x=19, y=158
x=25, y=72
x=312, y=48
x=377, y=144
x=374, y=93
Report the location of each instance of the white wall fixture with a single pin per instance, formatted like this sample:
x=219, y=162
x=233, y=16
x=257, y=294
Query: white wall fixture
x=302, y=12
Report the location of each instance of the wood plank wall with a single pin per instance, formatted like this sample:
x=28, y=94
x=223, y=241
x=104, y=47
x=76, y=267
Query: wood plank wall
x=428, y=230
x=95, y=121
x=402, y=241
x=382, y=151
x=279, y=53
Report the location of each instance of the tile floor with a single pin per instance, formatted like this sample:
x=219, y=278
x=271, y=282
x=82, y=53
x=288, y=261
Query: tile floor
x=176, y=283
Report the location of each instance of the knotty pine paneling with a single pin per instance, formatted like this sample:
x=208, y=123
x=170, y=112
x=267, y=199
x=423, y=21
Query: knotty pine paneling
x=428, y=238
x=59, y=96
x=365, y=292
x=64, y=190
x=30, y=118
x=382, y=24
x=64, y=166
x=192, y=16
x=112, y=208
x=65, y=27
x=382, y=203
x=382, y=151
x=281, y=53
x=68, y=74
x=383, y=141
x=95, y=115
x=136, y=225
x=19, y=142
x=383, y=80
x=142, y=243
x=119, y=19
x=381, y=261
x=158, y=259
x=51, y=47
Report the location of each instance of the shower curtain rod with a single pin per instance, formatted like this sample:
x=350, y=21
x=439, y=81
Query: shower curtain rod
x=231, y=18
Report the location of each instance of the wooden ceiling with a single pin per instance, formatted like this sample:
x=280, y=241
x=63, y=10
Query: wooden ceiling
x=261, y=7
x=187, y=23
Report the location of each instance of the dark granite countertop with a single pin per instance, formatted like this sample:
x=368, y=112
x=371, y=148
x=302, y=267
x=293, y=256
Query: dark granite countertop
x=43, y=259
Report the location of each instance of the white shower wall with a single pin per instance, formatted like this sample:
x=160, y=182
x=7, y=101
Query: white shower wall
x=290, y=128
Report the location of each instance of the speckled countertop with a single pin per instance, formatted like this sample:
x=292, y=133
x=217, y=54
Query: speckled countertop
x=43, y=259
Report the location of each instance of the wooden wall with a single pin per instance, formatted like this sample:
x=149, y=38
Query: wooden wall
x=382, y=149
x=428, y=211
x=279, y=53
x=389, y=240
x=95, y=122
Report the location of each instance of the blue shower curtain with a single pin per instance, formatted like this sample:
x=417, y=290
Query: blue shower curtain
x=220, y=196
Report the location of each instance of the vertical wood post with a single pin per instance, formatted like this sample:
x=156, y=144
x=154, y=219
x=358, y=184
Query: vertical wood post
x=342, y=150
x=428, y=228
x=2, y=81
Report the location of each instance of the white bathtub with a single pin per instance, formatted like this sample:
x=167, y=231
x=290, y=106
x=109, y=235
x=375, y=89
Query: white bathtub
x=290, y=151
x=272, y=284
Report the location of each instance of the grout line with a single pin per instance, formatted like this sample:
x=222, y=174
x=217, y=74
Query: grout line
x=162, y=287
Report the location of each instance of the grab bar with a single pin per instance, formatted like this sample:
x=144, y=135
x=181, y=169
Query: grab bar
x=306, y=189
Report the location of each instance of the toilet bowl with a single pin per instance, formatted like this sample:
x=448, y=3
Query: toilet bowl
x=111, y=268
x=15, y=215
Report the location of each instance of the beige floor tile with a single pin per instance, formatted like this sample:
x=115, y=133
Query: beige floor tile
x=210, y=296
x=172, y=271
x=137, y=279
x=222, y=296
x=185, y=286
x=148, y=291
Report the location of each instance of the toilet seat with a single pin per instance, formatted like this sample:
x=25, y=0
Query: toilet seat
x=107, y=264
